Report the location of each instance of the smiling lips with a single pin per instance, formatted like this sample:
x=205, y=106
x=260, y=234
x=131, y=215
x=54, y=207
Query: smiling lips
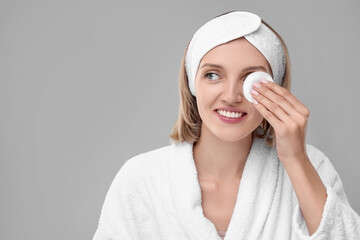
x=231, y=109
x=229, y=116
x=230, y=112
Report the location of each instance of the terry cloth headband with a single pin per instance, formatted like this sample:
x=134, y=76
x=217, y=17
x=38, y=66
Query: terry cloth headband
x=228, y=27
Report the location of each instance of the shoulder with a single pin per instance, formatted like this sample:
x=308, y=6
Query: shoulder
x=150, y=159
x=132, y=191
x=144, y=165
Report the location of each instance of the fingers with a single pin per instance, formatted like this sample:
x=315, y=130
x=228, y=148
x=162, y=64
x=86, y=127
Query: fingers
x=272, y=93
x=274, y=115
x=284, y=93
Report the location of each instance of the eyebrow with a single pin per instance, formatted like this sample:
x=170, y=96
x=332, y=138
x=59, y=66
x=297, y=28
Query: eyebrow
x=246, y=69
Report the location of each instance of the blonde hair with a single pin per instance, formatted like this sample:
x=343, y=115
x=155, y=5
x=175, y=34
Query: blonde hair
x=188, y=124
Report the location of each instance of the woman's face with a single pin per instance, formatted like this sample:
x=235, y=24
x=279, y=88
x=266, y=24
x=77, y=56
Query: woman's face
x=223, y=87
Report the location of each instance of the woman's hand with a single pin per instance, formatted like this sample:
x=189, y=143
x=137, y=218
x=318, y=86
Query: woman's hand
x=287, y=115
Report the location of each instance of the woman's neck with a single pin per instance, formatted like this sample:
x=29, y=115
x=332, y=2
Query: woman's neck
x=220, y=161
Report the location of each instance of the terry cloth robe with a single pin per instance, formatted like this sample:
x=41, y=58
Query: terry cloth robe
x=156, y=195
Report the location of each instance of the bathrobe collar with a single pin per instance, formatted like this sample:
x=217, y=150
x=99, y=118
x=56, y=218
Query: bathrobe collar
x=254, y=199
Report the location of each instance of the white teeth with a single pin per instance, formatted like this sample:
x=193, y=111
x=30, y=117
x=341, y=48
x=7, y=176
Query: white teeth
x=229, y=114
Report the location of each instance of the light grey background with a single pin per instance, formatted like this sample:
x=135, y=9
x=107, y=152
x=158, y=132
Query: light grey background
x=85, y=85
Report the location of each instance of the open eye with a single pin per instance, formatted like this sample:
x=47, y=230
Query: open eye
x=210, y=73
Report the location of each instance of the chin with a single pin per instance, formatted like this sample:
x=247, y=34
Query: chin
x=231, y=137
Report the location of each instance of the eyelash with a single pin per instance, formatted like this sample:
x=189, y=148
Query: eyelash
x=211, y=73
x=219, y=76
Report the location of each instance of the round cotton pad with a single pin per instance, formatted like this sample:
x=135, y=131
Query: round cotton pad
x=250, y=79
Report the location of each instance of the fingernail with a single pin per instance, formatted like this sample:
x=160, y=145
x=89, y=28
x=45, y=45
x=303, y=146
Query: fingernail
x=264, y=80
x=254, y=92
x=254, y=101
x=257, y=85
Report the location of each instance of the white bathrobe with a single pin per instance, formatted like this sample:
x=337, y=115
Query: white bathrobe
x=156, y=195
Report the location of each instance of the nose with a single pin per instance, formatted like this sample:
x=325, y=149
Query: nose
x=232, y=92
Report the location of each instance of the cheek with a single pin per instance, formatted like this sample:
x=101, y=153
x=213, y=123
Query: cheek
x=257, y=115
x=203, y=103
x=253, y=112
x=206, y=94
x=206, y=101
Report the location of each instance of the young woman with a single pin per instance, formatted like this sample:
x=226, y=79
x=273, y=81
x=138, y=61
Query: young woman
x=234, y=166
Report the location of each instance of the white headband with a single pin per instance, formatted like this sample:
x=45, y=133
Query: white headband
x=228, y=27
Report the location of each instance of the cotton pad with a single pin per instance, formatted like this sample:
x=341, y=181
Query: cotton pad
x=250, y=79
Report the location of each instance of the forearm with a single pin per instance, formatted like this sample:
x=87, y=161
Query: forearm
x=310, y=191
